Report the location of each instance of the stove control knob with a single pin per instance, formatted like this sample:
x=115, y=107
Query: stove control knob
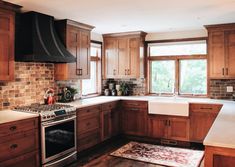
x=44, y=117
x=48, y=116
x=52, y=116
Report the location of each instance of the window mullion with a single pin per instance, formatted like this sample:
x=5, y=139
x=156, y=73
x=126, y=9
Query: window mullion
x=177, y=75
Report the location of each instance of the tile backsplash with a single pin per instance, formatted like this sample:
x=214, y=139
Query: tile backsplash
x=30, y=83
x=218, y=89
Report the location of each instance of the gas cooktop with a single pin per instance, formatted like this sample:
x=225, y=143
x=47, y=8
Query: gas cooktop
x=48, y=112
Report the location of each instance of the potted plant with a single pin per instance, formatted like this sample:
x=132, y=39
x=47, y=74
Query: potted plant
x=124, y=87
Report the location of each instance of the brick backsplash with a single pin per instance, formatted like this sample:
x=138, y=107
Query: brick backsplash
x=33, y=79
x=30, y=83
x=218, y=89
x=137, y=86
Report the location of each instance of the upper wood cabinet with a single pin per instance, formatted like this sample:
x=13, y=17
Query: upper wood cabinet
x=76, y=38
x=124, y=55
x=221, y=49
x=7, y=40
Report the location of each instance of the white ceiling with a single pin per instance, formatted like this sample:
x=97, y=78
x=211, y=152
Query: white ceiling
x=132, y=15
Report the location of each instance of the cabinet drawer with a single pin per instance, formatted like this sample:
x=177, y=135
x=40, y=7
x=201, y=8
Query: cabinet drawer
x=27, y=160
x=88, y=111
x=135, y=104
x=25, y=144
x=86, y=124
x=88, y=140
x=18, y=126
x=109, y=106
x=208, y=108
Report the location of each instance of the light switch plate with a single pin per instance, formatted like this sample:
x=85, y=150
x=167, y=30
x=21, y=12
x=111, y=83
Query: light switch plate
x=229, y=88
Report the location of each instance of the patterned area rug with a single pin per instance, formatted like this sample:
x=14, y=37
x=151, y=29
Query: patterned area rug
x=161, y=155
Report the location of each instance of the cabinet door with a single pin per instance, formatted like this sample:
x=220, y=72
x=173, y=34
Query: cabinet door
x=115, y=121
x=202, y=117
x=111, y=58
x=200, y=124
x=230, y=54
x=84, y=54
x=134, y=52
x=72, y=45
x=157, y=127
x=216, y=54
x=6, y=45
x=134, y=121
x=123, y=58
x=178, y=128
x=106, y=124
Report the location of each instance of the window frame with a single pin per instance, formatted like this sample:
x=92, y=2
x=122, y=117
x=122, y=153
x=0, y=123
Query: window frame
x=177, y=59
x=98, y=60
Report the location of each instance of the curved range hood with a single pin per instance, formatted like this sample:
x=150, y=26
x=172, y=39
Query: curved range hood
x=37, y=41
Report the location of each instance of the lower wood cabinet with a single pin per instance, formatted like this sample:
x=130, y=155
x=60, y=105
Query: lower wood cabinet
x=19, y=144
x=88, y=127
x=168, y=127
x=202, y=117
x=219, y=157
x=26, y=160
x=134, y=117
x=110, y=120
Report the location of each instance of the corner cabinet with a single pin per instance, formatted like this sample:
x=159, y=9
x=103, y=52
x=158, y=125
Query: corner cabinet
x=124, y=55
x=221, y=49
x=76, y=38
x=7, y=40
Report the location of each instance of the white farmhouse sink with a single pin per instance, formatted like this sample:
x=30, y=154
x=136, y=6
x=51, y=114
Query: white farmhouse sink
x=174, y=107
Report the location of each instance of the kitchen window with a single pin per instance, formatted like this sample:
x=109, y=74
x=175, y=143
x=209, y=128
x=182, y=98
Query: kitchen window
x=92, y=86
x=178, y=68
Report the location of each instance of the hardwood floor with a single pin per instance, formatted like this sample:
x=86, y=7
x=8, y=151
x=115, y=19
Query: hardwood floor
x=99, y=157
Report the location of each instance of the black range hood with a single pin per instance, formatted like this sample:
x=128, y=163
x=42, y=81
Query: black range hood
x=37, y=41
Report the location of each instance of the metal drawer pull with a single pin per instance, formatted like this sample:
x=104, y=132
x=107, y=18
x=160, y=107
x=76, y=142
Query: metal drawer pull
x=223, y=71
x=165, y=122
x=135, y=109
x=13, y=146
x=13, y=128
x=206, y=108
x=226, y=71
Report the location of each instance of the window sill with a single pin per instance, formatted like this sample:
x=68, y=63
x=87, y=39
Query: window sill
x=90, y=96
x=181, y=95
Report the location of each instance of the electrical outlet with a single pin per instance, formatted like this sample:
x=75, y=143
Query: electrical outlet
x=229, y=89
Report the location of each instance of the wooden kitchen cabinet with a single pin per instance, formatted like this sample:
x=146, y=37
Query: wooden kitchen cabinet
x=168, y=127
x=19, y=143
x=221, y=49
x=157, y=126
x=110, y=120
x=124, y=55
x=202, y=117
x=76, y=38
x=7, y=40
x=134, y=117
x=111, y=57
x=88, y=127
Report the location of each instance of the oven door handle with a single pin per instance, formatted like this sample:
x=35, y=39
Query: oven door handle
x=45, y=124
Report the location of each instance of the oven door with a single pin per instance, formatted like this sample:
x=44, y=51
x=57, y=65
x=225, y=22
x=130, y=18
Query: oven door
x=58, y=138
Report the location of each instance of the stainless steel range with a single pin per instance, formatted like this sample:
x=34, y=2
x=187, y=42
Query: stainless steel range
x=58, y=133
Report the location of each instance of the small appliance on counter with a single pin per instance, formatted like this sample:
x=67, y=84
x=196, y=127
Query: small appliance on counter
x=67, y=94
